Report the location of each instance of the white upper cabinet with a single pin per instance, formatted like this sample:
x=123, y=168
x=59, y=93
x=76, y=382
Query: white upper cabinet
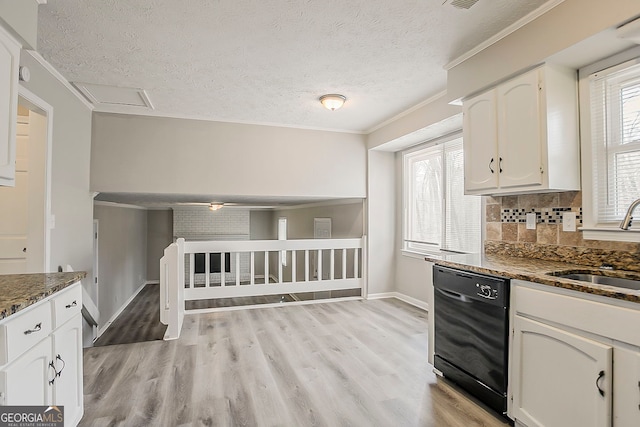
x=9, y=63
x=522, y=136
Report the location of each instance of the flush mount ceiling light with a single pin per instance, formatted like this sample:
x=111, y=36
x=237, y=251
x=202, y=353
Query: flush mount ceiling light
x=215, y=206
x=333, y=101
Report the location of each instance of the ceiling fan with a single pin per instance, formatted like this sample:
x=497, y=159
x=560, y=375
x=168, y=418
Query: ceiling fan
x=461, y=4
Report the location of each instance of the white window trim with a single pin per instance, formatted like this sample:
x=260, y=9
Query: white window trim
x=435, y=252
x=591, y=229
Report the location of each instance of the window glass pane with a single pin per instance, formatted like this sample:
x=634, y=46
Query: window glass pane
x=630, y=97
x=463, y=217
x=626, y=180
x=426, y=172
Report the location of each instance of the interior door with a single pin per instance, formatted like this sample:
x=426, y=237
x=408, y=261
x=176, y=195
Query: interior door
x=14, y=209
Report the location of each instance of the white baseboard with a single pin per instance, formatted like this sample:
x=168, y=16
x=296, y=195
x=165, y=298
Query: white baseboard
x=402, y=297
x=102, y=329
x=152, y=282
x=269, y=305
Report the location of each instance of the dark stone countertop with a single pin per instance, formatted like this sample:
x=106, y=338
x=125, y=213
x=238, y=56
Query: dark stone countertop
x=19, y=291
x=539, y=271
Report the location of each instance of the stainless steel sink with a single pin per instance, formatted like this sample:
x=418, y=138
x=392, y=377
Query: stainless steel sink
x=602, y=280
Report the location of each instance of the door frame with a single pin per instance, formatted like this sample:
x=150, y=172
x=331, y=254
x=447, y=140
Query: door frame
x=35, y=103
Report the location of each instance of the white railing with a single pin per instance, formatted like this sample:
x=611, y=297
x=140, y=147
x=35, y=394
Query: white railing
x=254, y=268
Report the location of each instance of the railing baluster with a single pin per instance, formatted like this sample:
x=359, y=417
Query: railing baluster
x=237, y=268
x=319, y=266
x=207, y=268
x=306, y=265
x=332, y=264
x=280, y=266
x=294, y=276
x=344, y=263
x=355, y=263
x=266, y=267
x=192, y=270
x=252, y=279
x=223, y=270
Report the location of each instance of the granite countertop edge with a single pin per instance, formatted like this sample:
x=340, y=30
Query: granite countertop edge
x=19, y=291
x=539, y=271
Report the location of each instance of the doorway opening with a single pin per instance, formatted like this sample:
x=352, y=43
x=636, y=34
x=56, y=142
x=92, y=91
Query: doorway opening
x=25, y=220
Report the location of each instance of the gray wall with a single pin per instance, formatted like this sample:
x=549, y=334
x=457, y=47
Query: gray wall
x=122, y=259
x=159, y=236
x=162, y=155
x=261, y=225
x=346, y=220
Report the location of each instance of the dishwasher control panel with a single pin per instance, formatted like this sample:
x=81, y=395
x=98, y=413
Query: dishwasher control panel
x=486, y=291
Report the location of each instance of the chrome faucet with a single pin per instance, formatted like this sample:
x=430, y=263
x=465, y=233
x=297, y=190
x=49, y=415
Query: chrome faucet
x=626, y=222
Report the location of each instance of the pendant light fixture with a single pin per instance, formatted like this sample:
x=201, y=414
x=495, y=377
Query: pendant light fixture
x=333, y=101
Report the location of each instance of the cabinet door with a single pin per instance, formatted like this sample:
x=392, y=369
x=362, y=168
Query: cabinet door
x=9, y=56
x=67, y=355
x=558, y=378
x=25, y=381
x=626, y=387
x=480, y=143
x=519, y=132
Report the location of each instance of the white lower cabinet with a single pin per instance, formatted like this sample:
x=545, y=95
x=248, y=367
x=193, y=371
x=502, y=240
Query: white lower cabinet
x=25, y=381
x=67, y=357
x=49, y=371
x=575, y=360
x=563, y=379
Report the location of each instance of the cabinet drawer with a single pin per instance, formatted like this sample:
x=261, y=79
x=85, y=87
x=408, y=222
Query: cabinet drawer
x=23, y=330
x=66, y=304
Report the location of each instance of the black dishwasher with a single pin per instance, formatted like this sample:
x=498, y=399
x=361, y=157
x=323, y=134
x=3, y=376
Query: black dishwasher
x=471, y=315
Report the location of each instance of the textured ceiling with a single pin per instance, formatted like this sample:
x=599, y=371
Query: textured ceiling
x=268, y=61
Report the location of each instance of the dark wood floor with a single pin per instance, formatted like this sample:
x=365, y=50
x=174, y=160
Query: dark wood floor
x=138, y=322
x=358, y=363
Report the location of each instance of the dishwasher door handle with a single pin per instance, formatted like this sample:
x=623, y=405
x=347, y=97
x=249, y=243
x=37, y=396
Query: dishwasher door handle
x=454, y=295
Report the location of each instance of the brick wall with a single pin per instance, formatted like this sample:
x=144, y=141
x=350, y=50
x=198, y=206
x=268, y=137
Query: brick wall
x=200, y=223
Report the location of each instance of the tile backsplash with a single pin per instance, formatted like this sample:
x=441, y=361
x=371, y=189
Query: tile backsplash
x=506, y=231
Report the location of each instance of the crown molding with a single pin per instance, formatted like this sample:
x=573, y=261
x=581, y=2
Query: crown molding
x=504, y=33
x=118, y=205
x=55, y=73
x=407, y=112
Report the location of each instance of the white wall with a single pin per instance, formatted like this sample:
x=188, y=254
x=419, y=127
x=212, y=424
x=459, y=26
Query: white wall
x=122, y=261
x=381, y=222
x=72, y=203
x=21, y=18
x=161, y=155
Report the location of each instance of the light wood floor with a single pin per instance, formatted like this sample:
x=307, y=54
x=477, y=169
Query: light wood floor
x=349, y=363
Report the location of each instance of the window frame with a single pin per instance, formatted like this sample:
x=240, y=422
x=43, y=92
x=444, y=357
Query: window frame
x=592, y=229
x=413, y=248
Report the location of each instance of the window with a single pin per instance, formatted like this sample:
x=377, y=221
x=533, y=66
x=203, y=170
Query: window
x=438, y=216
x=613, y=140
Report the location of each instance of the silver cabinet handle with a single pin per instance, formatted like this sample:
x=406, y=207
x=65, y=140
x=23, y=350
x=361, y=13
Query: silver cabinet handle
x=36, y=328
x=73, y=304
